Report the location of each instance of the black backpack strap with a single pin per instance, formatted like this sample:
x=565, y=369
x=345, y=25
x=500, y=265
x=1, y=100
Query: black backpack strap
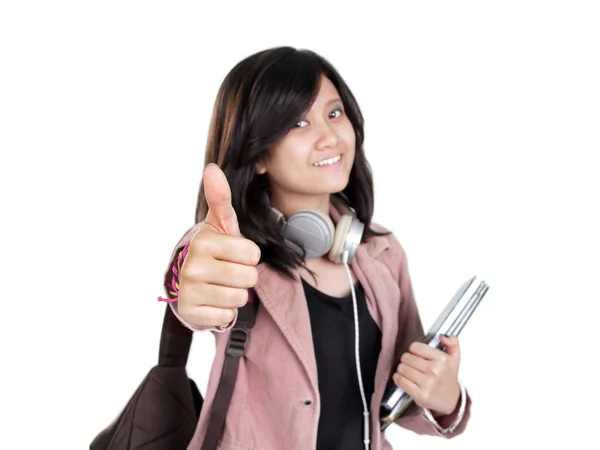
x=175, y=341
x=236, y=348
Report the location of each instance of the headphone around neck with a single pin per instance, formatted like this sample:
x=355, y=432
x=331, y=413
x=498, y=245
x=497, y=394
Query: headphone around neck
x=312, y=234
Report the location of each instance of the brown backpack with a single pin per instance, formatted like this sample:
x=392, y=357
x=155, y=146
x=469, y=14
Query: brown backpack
x=163, y=412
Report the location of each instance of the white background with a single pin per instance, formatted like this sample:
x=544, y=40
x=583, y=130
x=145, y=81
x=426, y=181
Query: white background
x=482, y=127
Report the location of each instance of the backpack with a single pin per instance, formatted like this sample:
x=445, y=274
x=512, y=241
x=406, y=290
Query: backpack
x=163, y=412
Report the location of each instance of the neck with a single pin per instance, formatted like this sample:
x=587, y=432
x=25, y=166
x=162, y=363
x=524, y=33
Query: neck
x=291, y=204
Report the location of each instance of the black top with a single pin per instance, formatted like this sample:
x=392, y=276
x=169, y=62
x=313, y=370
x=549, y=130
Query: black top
x=332, y=321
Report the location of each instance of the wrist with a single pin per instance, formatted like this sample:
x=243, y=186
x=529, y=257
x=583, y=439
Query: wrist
x=172, y=278
x=440, y=422
x=454, y=406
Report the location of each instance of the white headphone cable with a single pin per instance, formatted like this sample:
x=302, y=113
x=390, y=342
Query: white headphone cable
x=367, y=436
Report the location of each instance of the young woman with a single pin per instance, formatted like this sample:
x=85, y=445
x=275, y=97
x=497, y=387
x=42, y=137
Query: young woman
x=284, y=219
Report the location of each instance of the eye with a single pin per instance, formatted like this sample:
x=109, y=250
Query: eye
x=300, y=124
x=336, y=113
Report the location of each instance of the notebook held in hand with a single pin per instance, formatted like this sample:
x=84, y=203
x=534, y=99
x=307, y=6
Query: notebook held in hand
x=450, y=321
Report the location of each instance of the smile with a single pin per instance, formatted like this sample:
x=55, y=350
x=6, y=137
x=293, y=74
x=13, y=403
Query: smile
x=328, y=161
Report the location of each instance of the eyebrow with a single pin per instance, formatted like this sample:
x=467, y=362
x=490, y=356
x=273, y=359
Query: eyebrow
x=334, y=100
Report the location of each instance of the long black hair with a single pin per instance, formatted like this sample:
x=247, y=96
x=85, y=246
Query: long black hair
x=259, y=101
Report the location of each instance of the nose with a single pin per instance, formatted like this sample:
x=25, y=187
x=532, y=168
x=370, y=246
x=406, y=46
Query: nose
x=326, y=136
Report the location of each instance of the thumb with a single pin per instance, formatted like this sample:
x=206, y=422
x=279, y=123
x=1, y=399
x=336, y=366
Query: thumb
x=221, y=214
x=451, y=344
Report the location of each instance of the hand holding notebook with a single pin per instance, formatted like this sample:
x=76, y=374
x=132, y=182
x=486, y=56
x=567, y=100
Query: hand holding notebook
x=450, y=322
x=430, y=375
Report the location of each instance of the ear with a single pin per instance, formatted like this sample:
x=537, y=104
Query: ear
x=260, y=168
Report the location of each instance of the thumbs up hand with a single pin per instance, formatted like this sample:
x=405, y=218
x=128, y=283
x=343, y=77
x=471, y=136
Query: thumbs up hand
x=220, y=265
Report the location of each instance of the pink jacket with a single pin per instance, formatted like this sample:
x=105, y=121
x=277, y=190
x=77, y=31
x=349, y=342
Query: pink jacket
x=275, y=404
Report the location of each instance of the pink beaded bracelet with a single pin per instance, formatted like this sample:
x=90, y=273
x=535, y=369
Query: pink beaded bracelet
x=173, y=289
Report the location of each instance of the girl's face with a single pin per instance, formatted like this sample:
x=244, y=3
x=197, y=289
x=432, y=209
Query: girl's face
x=315, y=158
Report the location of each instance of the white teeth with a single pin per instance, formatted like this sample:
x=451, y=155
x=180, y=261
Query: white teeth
x=327, y=162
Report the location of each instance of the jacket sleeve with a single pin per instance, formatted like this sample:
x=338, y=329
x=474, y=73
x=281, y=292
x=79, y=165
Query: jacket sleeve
x=410, y=330
x=172, y=271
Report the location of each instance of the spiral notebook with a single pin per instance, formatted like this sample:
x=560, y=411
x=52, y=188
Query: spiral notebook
x=451, y=321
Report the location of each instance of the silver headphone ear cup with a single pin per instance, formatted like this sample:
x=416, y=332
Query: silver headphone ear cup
x=296, y=248
x=341, y=231
x=348, y=235
x=312, y=231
